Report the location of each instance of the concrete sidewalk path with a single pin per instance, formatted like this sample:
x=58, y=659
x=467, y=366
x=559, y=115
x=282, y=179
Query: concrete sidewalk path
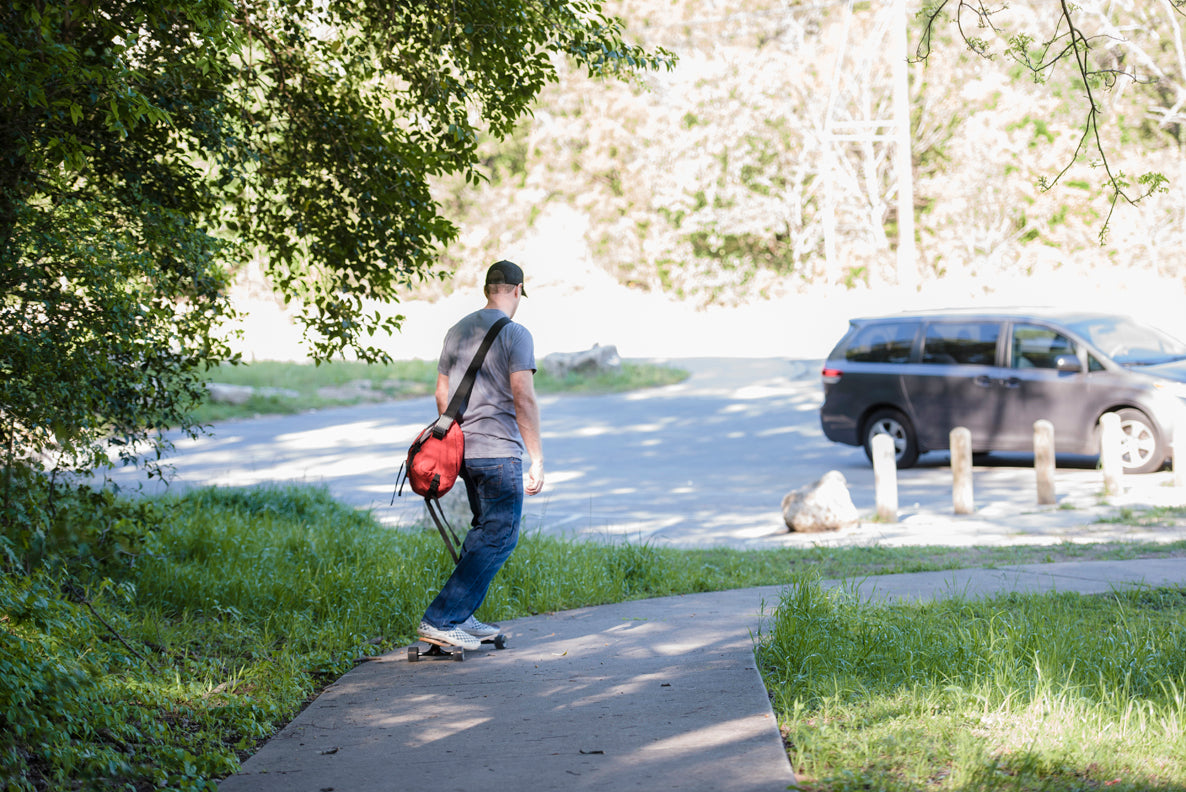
x=659, y=694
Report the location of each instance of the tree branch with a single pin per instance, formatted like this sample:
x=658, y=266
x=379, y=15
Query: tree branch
x=1074, y=44
x=78, y=595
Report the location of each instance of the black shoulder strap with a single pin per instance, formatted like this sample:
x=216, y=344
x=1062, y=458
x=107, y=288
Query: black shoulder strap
x=461, y=395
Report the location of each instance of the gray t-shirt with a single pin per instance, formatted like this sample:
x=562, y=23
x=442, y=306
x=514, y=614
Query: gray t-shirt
x=488, y=421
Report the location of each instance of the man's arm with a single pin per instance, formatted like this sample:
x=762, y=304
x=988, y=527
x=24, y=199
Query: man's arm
x=442, y=393
x=527, y=416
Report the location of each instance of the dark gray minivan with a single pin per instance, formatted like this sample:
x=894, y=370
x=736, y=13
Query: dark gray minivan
x=917, y=376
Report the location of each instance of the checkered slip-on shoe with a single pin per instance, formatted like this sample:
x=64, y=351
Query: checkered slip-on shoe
x=479, y=629
x=455, y=637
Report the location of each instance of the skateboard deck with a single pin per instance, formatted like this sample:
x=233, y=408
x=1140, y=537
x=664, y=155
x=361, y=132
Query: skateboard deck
x=439, y=650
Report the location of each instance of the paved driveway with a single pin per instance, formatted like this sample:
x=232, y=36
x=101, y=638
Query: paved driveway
x=704, y=462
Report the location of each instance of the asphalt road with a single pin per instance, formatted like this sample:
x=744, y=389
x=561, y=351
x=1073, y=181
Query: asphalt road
x=704, y=462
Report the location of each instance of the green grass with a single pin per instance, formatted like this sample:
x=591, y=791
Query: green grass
x=1020, y=692
x=1163, y=516
x=241, y=604
x=327, y=385
x=773, y=567
x=631, y=376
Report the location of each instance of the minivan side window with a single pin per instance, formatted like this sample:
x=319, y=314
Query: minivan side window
x=1039, y=347
x=966, y=343
x=882, y=343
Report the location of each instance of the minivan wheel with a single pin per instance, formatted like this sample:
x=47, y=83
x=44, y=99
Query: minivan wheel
x=897, y=426
x=1141, y=449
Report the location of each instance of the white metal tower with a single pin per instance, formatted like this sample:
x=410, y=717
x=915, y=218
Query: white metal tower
x=856, y=115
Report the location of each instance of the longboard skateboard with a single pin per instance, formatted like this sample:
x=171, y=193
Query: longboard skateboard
x=439, y=650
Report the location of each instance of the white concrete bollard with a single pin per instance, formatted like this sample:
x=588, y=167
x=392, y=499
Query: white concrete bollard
x=885, y=478
x=1044, y=461
x=1179, y=460
x=961, y=470
x=1110, y=462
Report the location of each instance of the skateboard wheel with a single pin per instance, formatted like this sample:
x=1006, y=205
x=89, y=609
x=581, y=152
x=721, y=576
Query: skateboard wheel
x=413, y=654
x=500, y=641
x=458, y=654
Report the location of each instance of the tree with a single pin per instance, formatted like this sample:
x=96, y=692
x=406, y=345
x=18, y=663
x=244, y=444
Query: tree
x=1082, y=37
x=149, y=146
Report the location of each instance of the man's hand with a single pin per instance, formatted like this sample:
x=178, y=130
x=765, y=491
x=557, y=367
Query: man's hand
x=535, y=478
x=527, y=416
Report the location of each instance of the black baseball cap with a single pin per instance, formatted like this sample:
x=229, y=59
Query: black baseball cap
x=505, y=272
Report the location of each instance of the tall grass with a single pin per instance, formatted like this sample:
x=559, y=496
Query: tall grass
x=1020, y=692
x=242, y=604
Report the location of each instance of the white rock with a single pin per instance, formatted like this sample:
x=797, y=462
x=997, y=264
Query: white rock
x=823, y=506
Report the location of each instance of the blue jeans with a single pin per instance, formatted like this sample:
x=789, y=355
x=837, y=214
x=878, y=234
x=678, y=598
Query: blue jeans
x=495, y=491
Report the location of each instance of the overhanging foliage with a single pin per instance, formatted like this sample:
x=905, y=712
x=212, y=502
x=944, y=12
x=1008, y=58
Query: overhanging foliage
x=1084, y=41
x=148, y=149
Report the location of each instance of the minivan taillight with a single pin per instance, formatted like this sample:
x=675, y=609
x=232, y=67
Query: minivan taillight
x=831, y=376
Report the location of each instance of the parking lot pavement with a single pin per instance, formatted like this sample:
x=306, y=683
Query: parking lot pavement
x=704, y=462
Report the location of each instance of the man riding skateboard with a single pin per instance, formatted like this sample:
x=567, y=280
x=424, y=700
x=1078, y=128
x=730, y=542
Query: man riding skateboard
x=500, y=423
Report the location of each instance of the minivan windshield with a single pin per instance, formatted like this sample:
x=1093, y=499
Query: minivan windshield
x=1129, y=343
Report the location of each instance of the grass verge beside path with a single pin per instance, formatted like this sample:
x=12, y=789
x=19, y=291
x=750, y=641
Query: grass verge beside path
x=163, y=673
x=774, y=567
x=1021, y=692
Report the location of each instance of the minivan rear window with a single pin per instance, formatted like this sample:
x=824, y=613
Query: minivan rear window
x=961, y=343
x=882, y=343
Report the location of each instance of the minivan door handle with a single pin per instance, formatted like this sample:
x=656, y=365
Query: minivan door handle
x=1012, y=382
x=983, y=381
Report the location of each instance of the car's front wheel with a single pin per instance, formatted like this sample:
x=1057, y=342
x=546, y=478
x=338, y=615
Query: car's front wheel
x=1141, y=447
x=897, y=426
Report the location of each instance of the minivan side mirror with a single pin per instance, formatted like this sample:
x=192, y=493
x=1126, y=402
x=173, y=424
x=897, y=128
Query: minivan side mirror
x=1068, y=364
